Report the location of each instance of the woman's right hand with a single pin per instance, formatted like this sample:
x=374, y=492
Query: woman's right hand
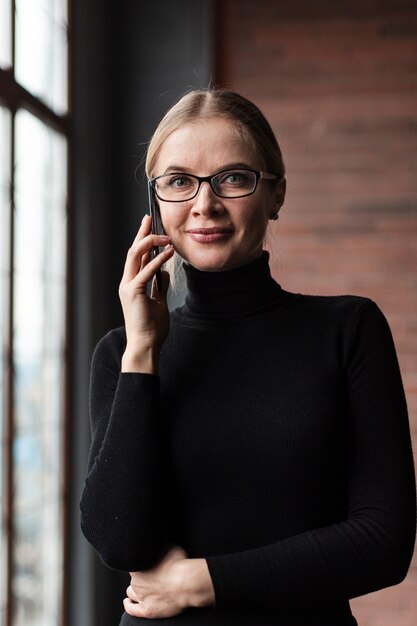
x=146, y=317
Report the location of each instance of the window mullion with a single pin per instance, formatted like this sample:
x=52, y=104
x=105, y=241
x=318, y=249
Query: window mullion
x=9, y=386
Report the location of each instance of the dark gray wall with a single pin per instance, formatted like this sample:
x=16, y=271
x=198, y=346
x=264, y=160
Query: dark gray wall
x=131, y=60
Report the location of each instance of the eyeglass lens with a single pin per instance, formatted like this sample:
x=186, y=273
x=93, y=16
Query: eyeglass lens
x=181, y=186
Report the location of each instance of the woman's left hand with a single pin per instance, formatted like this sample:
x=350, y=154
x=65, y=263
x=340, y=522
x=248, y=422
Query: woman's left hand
x=170, y=587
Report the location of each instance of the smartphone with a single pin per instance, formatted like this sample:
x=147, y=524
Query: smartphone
x=153, y=212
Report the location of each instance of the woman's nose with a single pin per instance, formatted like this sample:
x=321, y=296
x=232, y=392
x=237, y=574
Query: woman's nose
x=206, y=202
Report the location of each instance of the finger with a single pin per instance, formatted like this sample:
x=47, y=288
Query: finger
x=149, y=271
x=144, y=228
x=132, y=608
x=136, y=252
x=143, y=231
x=131, y=594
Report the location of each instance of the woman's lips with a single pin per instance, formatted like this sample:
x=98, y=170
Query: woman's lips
x=209, y=235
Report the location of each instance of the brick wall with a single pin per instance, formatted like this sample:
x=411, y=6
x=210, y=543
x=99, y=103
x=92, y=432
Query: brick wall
x=338, y=82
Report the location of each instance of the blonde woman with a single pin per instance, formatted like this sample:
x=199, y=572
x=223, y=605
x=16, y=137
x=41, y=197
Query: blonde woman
x=251, y=459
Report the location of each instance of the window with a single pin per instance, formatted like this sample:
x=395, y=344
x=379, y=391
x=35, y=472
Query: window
x=33, y=302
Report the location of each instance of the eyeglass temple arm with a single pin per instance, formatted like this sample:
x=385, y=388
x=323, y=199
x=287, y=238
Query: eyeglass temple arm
x=269, y=176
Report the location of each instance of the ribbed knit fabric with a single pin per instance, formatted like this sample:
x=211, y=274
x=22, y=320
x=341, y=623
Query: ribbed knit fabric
x=274, y=443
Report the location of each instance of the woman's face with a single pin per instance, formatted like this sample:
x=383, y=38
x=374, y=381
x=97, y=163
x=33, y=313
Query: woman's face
x=209, y=232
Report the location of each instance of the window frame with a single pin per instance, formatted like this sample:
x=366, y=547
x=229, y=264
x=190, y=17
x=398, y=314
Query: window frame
x=13, y=97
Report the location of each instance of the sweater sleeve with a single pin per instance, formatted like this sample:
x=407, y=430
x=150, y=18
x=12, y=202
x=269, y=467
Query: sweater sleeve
x=121, y=512
x=373, y=546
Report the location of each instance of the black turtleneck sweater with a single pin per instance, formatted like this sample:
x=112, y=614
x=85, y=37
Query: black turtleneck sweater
x=274, y=443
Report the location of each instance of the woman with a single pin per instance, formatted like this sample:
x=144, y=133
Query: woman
x=251, y=459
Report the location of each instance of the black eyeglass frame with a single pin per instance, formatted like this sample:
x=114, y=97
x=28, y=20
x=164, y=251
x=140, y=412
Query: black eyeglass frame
x=209, y=179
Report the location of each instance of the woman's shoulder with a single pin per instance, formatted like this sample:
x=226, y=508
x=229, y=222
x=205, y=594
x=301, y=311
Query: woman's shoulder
x=343, y=311
x=335, y=304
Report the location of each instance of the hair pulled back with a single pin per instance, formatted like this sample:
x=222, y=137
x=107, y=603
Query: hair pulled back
x=211, y=103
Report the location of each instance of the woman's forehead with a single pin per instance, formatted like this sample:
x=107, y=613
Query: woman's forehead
x=206, y=143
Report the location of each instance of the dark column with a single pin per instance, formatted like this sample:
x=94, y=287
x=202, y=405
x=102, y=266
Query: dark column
x=131, y=60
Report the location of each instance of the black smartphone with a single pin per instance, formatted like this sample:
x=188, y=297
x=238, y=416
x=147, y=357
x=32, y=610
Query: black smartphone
x=153, y=212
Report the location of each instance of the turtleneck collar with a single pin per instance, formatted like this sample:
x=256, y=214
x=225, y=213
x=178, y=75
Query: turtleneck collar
x=241, y=291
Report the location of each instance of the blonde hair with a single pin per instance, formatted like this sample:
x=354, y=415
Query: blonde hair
x=208, y=104
x=212, y=103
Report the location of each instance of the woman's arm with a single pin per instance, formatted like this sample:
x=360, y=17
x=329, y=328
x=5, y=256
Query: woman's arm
x=122, y=505
x=122, y=501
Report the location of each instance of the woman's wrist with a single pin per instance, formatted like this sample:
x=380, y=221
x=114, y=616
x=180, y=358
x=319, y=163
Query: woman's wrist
x=145, y=361
x=197, y=584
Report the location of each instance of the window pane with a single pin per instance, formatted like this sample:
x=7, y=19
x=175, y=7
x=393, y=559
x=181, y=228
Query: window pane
x=39, y=336
x=5, y=128
x=42, y=50
x=5, y=33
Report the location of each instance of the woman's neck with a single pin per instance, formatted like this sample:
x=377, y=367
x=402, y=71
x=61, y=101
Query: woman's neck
x=231, y=293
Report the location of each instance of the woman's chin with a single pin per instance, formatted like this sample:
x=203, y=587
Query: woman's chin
x=218, y=260
x=207, y=267
x=208, y=261
x=215, y=266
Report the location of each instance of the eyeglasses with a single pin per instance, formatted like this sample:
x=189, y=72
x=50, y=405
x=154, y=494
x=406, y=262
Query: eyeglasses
x=180, y=187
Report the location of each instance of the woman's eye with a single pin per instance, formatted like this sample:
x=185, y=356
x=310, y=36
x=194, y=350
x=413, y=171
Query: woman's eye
x=233, y=178
x=179, y=181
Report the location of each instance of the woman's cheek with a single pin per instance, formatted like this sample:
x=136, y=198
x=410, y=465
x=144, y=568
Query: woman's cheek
x=171, y=224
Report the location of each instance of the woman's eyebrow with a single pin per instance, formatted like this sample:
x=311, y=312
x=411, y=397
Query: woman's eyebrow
x=231, y=166
x=227, y=166
x=177, y=168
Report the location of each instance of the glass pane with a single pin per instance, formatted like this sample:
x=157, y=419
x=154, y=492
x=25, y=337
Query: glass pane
x=42, y=50
x=38, y=351
x=5, y=131
x=5, y=33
